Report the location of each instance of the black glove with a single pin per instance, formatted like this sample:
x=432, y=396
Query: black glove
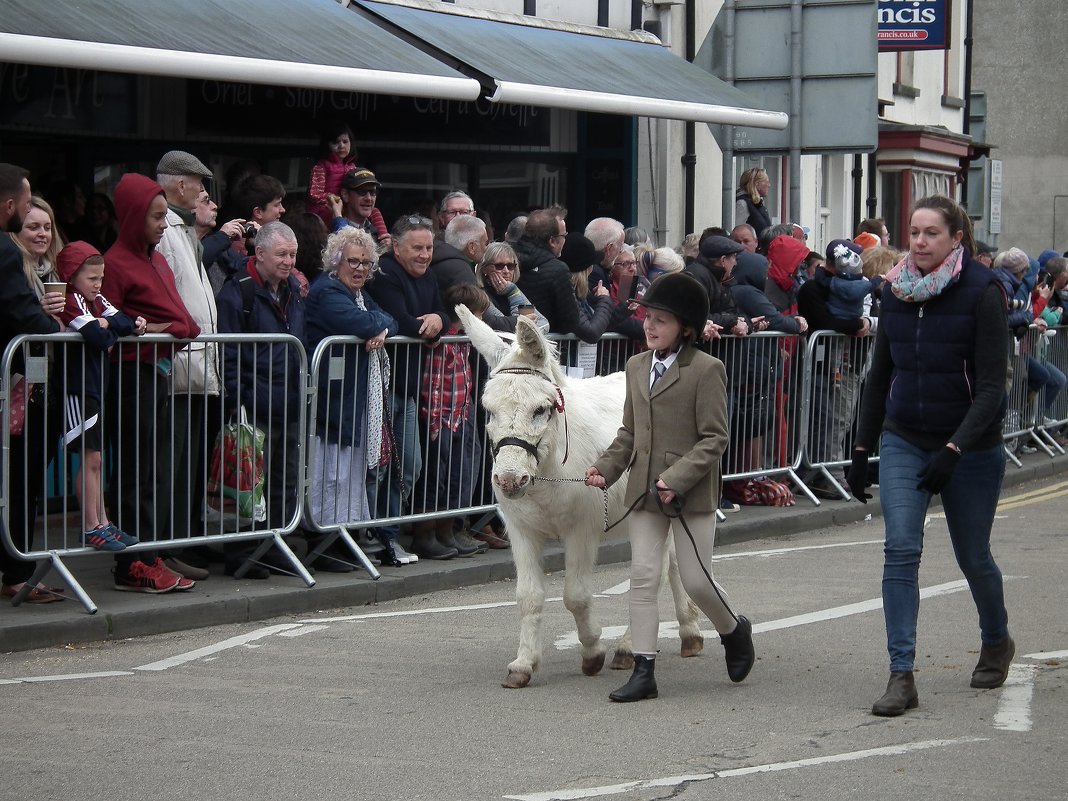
x=939, y=470
x=857, y=476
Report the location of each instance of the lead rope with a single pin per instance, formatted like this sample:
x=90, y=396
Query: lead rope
x=672, y=511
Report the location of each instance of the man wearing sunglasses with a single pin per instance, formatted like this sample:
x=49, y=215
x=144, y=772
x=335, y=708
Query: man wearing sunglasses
x=359, y=193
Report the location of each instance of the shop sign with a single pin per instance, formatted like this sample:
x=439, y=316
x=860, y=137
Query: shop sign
x=242, y=108
x=914, y=25
x=67, y=99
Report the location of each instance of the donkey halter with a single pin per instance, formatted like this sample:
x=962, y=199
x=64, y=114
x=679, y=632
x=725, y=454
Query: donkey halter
x=531, y=447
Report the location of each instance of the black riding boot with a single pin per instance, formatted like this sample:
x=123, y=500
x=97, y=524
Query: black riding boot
x=738, y=649
x=900, y=695
x=642, y=685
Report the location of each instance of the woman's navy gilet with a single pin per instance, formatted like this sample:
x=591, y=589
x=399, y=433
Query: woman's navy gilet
x=932, y=346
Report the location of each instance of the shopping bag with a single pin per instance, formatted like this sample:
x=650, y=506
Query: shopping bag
x=235, y=478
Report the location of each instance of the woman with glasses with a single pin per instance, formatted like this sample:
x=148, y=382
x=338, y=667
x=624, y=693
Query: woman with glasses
x=351, y=410
x=497, y=273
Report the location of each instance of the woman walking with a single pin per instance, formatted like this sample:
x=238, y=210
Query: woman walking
x=673, y=435
x=936, y=392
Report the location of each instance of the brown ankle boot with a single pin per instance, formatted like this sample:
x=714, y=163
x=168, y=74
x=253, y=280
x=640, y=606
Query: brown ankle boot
x=993, y=666
x=900, y=695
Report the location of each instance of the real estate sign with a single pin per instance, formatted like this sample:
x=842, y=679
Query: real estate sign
x=914, y=24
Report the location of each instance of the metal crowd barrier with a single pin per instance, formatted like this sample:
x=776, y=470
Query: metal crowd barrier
x=418, y=474
x=1029, y=421
x=792, y=405
x=156, y=429
x=834, y=369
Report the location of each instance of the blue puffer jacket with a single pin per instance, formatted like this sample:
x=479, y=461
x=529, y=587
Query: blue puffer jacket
x=1011, y=286
x=341, y=403
x=262, y=376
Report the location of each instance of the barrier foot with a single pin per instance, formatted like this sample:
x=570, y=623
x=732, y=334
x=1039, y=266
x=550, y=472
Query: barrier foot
x=1041, y=443
x=834, y=483
x=720, y=517
x=1012, y=456
x=801, y=485
x=299, y=570
x=1048, y=439
x=41, y=570
x=357, y=551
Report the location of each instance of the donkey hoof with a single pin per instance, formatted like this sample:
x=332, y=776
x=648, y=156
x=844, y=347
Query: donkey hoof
x=592, y=665
x=692, y=646
x=516, y=680
x=622, y=661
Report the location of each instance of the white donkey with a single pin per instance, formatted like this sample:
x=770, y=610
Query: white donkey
x=544, y=428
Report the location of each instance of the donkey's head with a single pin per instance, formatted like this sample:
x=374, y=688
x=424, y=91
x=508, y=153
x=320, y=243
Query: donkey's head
x=522, y=400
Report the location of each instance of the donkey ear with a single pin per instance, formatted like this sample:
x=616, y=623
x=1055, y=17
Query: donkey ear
x=485, y=339
x=532, y=342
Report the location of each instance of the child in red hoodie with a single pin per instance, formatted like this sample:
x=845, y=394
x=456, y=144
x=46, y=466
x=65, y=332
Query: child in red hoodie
x=88, y=313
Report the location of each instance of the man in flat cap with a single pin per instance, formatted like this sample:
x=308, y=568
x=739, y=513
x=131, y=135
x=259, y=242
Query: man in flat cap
x=196, y=367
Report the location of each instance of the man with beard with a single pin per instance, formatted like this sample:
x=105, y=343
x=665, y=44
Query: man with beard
x=359, y=193
x=23, y=314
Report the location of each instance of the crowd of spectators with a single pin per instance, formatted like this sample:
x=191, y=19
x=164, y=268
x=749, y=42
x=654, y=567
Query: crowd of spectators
x=396, y=432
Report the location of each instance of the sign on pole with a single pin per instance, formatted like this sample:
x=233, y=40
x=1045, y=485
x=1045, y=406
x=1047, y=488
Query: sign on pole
x=994, y=225
x=914, y=24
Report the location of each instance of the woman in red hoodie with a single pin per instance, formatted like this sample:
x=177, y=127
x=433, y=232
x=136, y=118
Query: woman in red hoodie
x=138, y=280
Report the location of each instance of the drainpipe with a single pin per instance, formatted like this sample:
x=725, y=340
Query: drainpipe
x=689, y=157
x=795, y=109
x=727, y=212
x=967, y=127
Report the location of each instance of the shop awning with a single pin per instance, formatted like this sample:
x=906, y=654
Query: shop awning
x=307, y=43
x=526, y=61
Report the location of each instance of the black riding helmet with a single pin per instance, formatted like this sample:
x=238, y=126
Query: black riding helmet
x=680, y=294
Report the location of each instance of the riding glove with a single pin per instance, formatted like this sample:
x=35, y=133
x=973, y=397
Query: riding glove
x=857, y=476
x=939, y=470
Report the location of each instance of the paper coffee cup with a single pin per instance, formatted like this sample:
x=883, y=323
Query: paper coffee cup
x=56, y=286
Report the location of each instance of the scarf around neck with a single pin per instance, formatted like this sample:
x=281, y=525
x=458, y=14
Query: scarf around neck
x=912, y=286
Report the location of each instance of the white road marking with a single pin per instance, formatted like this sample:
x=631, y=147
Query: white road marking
x=232, y=642
x=301, y=631
x=415, y=612
x=795, y=549
x=1014, y=704
x=576, y=794
x=104, y=674
x=1048, y=655
x=670, y=629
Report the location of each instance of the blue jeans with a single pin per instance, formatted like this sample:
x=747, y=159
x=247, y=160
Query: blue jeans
x=383, y=483
x=1043, y=375
x=969, y=502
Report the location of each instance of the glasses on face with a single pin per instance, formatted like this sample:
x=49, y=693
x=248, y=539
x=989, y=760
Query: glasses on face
x=415, y=219
x=360, y=264
x=455, y=212
x=503, y=265
x=627, y=265
x=554, y=237
x=372, y=191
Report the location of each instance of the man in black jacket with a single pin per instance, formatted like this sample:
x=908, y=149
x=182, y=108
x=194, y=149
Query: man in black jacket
x=543, y=278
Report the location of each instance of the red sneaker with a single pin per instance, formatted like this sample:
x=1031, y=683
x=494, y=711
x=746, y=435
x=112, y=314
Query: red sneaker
x=152, y=578
x=183, y=583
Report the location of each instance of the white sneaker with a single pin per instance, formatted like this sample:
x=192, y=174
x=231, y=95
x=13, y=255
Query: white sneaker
x=402, y=555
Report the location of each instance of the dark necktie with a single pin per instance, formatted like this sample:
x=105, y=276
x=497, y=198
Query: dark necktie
x=658, y=370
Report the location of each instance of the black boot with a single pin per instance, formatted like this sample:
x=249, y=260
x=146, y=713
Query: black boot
x=993, y=666
x=642, y=685
x=900, y=695
x=738, y=649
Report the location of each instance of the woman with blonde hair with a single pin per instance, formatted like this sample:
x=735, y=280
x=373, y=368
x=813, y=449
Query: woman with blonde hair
x=749, y=206
x=497, y=273
x=39, y=242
